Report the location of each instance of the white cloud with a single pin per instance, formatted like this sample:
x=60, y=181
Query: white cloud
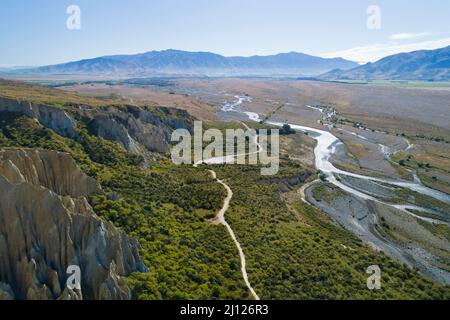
x=408, y=36
x=372, y=53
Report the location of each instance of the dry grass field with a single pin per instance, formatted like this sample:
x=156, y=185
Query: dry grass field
x=415, y=121
x=402, y=110
x=147, y=95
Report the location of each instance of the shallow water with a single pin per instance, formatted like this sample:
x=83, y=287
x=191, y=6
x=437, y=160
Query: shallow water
x=326, y=147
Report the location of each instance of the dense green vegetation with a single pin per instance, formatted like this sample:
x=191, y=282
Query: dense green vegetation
x=298, y=253
x=286, y=130
x=293, y=252
x=163, y=206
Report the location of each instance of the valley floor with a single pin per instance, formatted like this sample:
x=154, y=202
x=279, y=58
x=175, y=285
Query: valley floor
x=292, y=249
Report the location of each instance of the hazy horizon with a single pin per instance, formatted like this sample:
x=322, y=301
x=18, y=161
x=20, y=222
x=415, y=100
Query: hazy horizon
x=38, y=34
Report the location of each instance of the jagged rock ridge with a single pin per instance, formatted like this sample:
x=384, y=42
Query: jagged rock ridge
x=136, y=129
x=46, y=225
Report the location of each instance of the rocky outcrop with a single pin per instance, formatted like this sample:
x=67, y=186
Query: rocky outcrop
x=52, y=170
x=136, y=129
x=6, y=292
x=51, y=117
x=131, y=130
x=47, y=225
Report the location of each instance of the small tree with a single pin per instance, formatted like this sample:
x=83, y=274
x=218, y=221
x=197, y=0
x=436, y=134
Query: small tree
x=286, y=129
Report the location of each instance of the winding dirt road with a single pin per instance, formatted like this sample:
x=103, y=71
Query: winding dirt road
x=302, y=191
x=220, y=219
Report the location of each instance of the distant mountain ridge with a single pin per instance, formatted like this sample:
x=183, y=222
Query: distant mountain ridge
x=176, y=62
x=426, y=65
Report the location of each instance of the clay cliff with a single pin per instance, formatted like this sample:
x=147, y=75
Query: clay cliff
x=49, y=116
x=47, y=225
x=136, y=129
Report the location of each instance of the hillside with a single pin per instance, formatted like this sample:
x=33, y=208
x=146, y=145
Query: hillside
x=176, y=62
x=22, y=91
x=427, y=65
x=44, y=194
x=294, y=251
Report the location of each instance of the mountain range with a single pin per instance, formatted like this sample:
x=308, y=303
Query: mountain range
x=427, y=65
x=176, y=62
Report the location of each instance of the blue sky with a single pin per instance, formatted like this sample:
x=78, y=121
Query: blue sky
x=35, y=33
